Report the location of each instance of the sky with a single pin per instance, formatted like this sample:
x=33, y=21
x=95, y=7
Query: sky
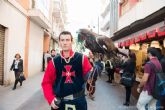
x=81, y=13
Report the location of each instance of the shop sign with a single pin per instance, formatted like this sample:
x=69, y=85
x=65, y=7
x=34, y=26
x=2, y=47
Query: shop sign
x=151, y=34
x=122, y=44
x=119, y=44
x=132, y=41
x=127, y=43
x=137, y=39
x=161, y=31
x=143, y=37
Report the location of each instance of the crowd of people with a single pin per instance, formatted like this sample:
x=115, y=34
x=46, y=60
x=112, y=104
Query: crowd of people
x=68, y=74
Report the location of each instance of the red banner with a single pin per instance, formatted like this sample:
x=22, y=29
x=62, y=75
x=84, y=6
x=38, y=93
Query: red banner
x=161, y=31
x=151, y=34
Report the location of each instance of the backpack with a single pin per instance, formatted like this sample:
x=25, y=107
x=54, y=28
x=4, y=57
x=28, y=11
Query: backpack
x=159, y=87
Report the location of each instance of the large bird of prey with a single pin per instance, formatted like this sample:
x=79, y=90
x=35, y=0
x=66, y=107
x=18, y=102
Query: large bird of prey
x=98, y=43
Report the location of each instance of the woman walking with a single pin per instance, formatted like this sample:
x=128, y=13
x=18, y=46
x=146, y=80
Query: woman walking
x=17, y=67
x=129, y=67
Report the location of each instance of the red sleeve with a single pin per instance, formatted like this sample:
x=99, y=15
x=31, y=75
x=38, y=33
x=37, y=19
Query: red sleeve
x=48, y=81
x=86, y=66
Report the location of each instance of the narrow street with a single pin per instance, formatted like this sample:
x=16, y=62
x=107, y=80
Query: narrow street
x=107, y=97
x=121, y=34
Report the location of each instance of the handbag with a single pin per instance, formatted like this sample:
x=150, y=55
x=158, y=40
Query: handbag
x=127, y=79
x=22, y=77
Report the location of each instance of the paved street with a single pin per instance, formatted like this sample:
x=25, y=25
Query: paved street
x=107, y=97
x=11, y=100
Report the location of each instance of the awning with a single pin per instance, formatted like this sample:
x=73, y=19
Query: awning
x=127, y=43
x=137, y=39
x=161, y=31
x=132, y=41
x=143, y=37
x=151, y=34
x=122, y=44
x=141, y=24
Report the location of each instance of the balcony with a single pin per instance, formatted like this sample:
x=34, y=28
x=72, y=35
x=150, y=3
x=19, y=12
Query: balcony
x=106, y=10
x=106, y=22
x=38, y=17
x=58, y=13
x=140, y=11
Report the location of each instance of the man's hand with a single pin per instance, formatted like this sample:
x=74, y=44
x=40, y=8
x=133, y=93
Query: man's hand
x=139, y=89
x=53, y=105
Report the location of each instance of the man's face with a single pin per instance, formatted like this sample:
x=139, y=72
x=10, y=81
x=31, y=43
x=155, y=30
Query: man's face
x=65, y=42
x=53, y=53
x=148, y=55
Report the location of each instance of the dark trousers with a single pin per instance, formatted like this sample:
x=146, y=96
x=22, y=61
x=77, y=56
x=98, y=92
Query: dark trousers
x=17, y=79
x=110, y=74
x=80, y=104
x=162, y=104
x=128, y=93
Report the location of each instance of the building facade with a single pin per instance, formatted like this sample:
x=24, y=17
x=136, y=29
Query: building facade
x=141, y=25
x=25, y=28
x=109, y=17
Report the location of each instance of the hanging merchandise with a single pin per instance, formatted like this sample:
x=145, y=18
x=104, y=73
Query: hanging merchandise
x=155, y=44
x=164, y=43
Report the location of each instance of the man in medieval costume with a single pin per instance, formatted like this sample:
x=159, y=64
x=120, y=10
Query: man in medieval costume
x=64, y=79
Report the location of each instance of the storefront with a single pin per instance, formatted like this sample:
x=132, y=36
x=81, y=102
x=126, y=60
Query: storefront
x=141, y=34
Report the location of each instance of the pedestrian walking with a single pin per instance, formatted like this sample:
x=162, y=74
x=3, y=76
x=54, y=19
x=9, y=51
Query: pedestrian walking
x=17, y=67
x=110, y=70
x=46, y=58
x=148, y=80
x=53, y=54
x=129, y=67
x=64, y=79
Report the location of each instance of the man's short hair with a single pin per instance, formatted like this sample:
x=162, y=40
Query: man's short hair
x=153, y=51
x=66, y=33
x=52, y=50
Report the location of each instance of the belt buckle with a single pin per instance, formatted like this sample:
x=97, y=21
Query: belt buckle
x=69, y=97
x=70, y=107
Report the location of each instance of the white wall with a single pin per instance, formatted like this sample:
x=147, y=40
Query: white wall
x=15, y=22
x=35, y=49
x=140, y=11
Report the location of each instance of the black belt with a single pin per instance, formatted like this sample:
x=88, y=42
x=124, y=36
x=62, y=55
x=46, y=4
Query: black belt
x=74, y=96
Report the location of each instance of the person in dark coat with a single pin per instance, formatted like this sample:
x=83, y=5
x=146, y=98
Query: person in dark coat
x=17, y=67
x=53, y=54
x=110, y=69
x=161, y=59
x=129, y=66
